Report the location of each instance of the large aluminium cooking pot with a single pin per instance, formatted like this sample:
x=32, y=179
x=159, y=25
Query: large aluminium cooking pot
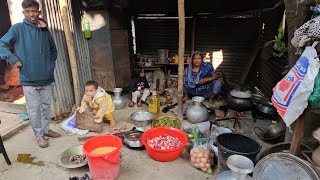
x=239, y=101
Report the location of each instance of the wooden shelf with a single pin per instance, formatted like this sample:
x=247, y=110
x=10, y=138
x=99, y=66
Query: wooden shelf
x=163, y=66
x=174, y=64
x=150, y=68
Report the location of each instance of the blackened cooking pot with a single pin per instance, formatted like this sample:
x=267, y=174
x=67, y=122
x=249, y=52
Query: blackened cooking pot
x=239, y=101
x=266, y=110
x=273, y=134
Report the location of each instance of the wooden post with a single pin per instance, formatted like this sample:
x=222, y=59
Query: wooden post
x=297, y=13
x=193, y=40
x=297, y=135
x=181, y=57
x=71, y=51
x=41, y=7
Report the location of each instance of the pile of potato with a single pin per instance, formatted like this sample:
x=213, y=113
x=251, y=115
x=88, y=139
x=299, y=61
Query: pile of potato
x=202, y=158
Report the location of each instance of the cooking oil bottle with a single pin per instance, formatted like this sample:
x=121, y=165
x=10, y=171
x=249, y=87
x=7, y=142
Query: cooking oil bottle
x=154, y=103
x=86, y=28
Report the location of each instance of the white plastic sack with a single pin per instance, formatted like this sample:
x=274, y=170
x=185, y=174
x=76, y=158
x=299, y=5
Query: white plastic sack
x=290, y=95
x=69, y=125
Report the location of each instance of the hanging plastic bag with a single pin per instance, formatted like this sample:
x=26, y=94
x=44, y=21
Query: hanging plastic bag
x=202, y=156
x=314, y=98
x=290, y=95
x=69, y=125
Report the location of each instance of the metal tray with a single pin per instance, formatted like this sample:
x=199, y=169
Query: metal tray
x=65, y=156
x=283, y=166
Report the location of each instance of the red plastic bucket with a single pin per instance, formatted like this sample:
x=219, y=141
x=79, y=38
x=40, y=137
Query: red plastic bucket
x=103, y=166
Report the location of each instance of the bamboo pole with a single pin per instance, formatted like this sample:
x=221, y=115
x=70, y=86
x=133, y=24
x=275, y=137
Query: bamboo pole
x=71, y=51
x=181, y=57
x=41, y=7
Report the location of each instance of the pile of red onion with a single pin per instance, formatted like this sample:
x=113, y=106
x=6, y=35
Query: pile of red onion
x=164, y=142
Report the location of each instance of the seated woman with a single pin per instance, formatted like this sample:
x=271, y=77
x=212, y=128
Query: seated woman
x=139, y=88
x=200, y=78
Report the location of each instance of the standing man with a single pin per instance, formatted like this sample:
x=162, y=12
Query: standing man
x=35, y=56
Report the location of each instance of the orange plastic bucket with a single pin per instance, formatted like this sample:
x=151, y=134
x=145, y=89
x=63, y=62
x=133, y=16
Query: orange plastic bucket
x=103, y=166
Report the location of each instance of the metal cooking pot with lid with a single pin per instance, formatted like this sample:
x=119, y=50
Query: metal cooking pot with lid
x=241, y=94
x=239, y=100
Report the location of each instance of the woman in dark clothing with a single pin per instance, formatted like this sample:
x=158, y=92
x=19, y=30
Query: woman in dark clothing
x=139, y=88
x=200, y=78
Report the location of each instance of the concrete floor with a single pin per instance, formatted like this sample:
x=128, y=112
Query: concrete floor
x=8, y=122
x=136, y=164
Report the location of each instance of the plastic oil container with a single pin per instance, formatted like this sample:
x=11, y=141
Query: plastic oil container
x=154, y=103
x=86, y=28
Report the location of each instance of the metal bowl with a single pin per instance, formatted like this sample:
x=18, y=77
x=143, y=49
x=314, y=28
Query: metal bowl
x=65, y=156
x=133, y=139
x=142, y=118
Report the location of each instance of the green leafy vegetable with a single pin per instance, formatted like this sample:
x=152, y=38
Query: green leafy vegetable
x=193, y=133
x=167, y=121
x=279, y=45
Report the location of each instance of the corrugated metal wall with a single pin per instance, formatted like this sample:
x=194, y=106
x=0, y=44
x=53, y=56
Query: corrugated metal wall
x=269, y=74
x=154, y=34
x=269, y=68
x=81, y=44
x=4, y=17
x=235, y=37
x=218, y=7
x=63, y=90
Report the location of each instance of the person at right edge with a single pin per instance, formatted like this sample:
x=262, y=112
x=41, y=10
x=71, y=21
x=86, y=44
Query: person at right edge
x=35, y=56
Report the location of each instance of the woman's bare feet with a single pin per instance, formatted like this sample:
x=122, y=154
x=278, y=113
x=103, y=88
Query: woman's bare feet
x=185, y=97
x=131, y=104
x=213, y=98
x=139, y=103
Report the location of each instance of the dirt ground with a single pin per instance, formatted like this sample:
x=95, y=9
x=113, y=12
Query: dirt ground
x=136, y=164
x=13, y=95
